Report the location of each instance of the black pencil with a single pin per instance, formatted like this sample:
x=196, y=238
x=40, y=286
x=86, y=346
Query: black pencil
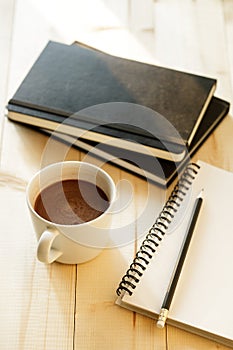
x=179, y=263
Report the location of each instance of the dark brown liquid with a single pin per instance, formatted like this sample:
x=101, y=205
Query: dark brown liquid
x=71, y=202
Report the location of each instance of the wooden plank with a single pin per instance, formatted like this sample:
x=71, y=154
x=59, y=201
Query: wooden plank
x=141, y=23
x=187, y=38
x=181, y=338
x=213, y=44
x=6, y=22
x=37, y=301
x=99, y=323
x=20, y=145
x=58, y=306
x=191, y=36
x=98, y=319
x=176, y=42
x=217, y=150
x=228, y=15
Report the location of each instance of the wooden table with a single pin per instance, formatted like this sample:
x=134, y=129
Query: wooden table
x=68, y=306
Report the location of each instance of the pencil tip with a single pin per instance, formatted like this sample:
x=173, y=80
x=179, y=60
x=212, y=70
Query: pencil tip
x=201, y=193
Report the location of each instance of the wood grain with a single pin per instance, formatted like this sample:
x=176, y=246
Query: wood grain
x=68, y=306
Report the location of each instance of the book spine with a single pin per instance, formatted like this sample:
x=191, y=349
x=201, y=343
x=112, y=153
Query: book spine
x=157, y=231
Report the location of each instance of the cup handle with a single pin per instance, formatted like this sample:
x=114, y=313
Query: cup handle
x=45, y=252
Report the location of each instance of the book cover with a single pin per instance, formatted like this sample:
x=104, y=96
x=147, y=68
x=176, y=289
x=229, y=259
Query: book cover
x=86, y=127
x=68, y=78
x=162, y=172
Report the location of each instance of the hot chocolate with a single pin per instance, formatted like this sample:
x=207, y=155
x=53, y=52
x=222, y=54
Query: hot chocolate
x=71, y=202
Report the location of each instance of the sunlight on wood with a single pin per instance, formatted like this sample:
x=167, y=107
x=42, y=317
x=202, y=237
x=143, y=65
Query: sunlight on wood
x=69, y=306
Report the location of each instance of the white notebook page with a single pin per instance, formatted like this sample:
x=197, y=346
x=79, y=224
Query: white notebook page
x=204, y=295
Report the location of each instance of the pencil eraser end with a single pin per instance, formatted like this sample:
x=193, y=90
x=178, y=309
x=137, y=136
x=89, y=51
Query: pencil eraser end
x=160, y=324
x=162, y=318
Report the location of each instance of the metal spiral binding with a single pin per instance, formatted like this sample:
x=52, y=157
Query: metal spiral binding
x=157, y=232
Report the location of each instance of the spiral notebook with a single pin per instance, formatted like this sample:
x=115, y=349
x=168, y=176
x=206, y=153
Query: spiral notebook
x=203, y=302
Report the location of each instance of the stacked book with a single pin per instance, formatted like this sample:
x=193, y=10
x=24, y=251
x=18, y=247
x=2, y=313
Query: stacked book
x=147, y=119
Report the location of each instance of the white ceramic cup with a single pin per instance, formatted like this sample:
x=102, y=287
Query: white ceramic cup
x=70, y=244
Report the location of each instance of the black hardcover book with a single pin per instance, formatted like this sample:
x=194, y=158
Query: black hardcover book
x=66, y=79
x=158, y=170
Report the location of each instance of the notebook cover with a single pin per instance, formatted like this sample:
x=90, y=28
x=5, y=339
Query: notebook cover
x=68, y=78
x=158, y=170
x=102, y=132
